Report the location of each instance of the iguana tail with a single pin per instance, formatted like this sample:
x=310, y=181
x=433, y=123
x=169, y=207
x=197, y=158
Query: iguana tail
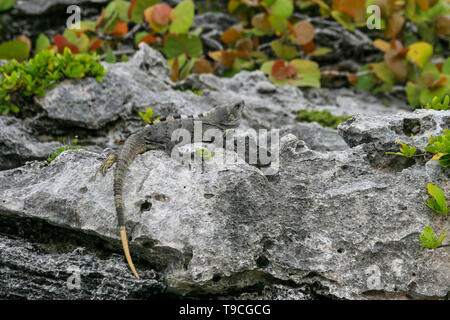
x=133, y=146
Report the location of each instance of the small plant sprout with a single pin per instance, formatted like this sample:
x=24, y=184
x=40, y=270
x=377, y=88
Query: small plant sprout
x=405, y=150
x=429, y=239
x=147, y=116
x=204, y=153
x=439, y=203
x=437, y=105
x=440, y=146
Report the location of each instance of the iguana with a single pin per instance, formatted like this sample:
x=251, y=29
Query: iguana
x=157, y=135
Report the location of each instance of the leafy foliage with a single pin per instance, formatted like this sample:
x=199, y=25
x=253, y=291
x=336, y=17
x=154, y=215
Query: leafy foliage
x=324, y=118
x=429, y=240
x=439, y=203
x=147, y=116
x=405, y=150
x=437, y=105
x=44, y=71
x=440, y=146
x=60, y=150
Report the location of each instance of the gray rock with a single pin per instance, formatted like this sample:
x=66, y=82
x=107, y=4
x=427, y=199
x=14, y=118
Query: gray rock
x=316, y=137
x=36, y=7
x=30, y=270
x=327, y=223
x=18, y=144
x=140, y=82
x=379, y=134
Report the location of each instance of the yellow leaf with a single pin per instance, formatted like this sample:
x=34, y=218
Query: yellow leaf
x=382, y=45
x=437, y=156
x=419, y=53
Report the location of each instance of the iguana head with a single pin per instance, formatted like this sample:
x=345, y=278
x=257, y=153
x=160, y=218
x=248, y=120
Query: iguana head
x=226, y=116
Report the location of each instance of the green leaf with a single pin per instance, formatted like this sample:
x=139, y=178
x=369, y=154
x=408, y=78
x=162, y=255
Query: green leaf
x=440, y=203
x=446, y=66
x=429, y=239
x=343, y=19
x=283, y=51
x=177, y=45
x=137, y=13
x=383, y=72
x=282, y=8
x=120, y=7
x=110, y=56
x=42, y=43
x=15, y=49
x=7, y=4
x=278, y=23
x=182, y=17
x=366, y=81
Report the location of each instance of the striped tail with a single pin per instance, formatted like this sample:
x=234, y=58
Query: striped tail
x=133, y=146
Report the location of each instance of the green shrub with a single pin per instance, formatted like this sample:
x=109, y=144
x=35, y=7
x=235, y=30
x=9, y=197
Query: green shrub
x=44, y=71
x=324, y=118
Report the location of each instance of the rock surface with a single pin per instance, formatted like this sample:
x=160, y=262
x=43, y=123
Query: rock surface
x=339, y=219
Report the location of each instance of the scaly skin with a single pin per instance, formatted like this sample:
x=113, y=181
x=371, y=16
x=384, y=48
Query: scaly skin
x=157, y=135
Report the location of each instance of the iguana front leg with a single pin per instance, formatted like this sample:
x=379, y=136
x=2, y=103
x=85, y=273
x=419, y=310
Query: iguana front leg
x=112, y=158
x=107, y=164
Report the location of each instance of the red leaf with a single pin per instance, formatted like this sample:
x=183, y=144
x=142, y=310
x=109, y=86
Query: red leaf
x=291, y=72
x=279, y=71
x=309, y=47
x=61, y=42
x=161, y=14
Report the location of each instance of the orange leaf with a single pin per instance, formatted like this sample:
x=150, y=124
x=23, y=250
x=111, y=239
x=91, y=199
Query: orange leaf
x=354, y=8
x=443, y=25
x=120, y=30
x=395, y=25
x=161, y=14
x=149, y=39
x=202, y=66
x=95, y=45
x=439, y=82
x=423, y=4
x=352, y=78
x=303, y=32
x=231, y=35
x=226, y=57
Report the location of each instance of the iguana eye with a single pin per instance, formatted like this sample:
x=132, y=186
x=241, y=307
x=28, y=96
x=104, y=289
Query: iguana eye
x=232, y=117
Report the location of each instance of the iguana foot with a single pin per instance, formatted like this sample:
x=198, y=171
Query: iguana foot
x=108, y=163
